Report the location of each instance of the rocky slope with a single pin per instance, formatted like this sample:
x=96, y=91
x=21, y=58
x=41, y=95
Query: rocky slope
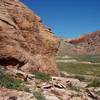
x=56, y=88
x=25, y=43
x=87, y=44
x=8, y=94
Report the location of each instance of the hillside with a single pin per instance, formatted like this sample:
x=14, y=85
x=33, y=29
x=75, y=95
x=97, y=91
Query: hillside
x=25, y=42
x=88, y=44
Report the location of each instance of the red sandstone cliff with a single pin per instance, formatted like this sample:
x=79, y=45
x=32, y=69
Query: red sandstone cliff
x=88, y=44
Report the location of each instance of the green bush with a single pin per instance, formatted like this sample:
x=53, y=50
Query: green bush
x=9, y=82
x=42, y=76
x=39, y=95
x=94, y=83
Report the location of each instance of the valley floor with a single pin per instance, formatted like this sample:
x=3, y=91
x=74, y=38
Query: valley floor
x=79, y=65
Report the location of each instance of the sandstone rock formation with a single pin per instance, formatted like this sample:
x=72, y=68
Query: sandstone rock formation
x=87, y=44
x=25, y=43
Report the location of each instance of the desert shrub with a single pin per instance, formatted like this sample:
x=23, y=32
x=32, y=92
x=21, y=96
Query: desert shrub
x=1, y=70
x=79, y=77
x=10, y=82
x=94, y=83
x=74, y=88
x=25, y=88
x=62, y=74
x=42, y=76
x=39, y=95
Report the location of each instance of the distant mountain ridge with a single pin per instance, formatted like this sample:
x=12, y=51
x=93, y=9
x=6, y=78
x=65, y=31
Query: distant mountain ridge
x=88, y=44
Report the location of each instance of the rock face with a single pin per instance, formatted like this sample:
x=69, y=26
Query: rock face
x=88, y=44
x=25, y=43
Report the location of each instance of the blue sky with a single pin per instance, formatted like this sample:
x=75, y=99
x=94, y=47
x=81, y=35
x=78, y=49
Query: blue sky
x=68, y=18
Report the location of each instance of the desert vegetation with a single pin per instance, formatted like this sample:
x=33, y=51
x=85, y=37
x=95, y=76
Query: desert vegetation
x=39, y=95
x=8, y=81
x=77, y=68
x=42, y=76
